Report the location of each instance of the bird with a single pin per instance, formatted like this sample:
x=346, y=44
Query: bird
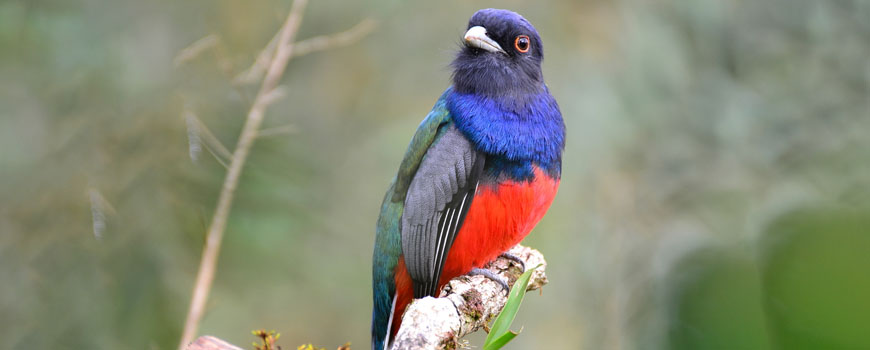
x=481, y=170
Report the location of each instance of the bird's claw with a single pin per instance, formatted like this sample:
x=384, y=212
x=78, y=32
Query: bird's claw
x=514, y=258
x=489, y=274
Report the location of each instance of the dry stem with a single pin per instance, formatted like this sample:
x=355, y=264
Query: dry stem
x=324, y=42
x=304, y=47
x=208, y=263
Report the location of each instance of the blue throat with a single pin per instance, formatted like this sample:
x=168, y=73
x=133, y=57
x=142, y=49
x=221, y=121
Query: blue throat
x=516, y=132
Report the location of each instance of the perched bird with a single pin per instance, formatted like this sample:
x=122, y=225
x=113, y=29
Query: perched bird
x=480, y=172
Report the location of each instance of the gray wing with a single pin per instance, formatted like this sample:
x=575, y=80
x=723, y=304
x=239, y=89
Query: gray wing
x=438, y=199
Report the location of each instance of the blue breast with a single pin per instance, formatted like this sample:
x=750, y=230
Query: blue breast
x=516, y=132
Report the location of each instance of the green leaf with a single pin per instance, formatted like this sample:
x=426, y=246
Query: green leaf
x=500, y=332
x=501, y=341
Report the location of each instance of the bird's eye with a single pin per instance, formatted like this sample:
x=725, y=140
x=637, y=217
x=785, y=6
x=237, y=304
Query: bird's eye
x=521, y=43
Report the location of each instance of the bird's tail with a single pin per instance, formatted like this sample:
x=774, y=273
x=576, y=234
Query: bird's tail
x=382, y=321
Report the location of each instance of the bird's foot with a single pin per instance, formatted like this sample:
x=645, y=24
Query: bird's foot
x=514, y=258
x=489, y=274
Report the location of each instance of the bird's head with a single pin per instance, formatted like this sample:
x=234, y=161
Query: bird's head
x=500, y=56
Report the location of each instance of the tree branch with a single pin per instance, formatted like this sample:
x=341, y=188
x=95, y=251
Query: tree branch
x=465, y=304
x=208, y=262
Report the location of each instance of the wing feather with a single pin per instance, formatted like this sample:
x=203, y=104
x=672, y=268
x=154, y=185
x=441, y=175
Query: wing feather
x=437, y=200
x=388, y=242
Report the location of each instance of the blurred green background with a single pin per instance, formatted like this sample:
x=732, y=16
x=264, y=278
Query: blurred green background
x=714, y=191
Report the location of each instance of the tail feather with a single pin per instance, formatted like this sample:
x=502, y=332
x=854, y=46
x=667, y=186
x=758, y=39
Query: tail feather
x=381, y=336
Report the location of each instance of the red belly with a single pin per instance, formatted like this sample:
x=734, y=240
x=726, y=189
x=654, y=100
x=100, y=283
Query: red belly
x=500, y=216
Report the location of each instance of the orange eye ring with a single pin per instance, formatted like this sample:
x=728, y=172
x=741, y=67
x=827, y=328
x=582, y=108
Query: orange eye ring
x=522, y=43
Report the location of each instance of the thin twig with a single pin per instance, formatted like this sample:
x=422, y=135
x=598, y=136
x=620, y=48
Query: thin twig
x=194, y=50
x=204, y=137
x=208, y=263
x=217, y=158
x=276, y=94
x=278, y=130
x=324, y=42
x=215, y=44
x=258, y=68
x=307, y=46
